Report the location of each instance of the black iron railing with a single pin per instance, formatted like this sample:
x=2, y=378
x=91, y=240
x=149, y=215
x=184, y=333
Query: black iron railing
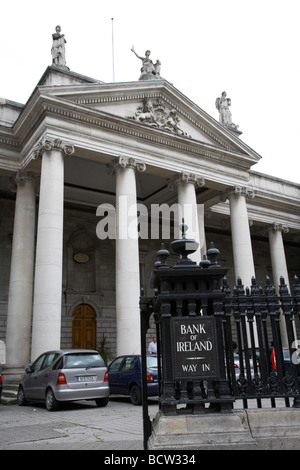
x=264, y=360
x=216, y=346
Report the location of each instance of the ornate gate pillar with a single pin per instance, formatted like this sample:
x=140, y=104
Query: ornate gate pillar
x=189, y=316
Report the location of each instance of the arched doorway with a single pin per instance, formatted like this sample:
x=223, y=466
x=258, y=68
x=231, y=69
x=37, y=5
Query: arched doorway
x=84, y=327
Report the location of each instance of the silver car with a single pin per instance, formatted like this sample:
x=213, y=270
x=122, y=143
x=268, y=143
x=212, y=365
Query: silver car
x=237, y=367
x=65, y=375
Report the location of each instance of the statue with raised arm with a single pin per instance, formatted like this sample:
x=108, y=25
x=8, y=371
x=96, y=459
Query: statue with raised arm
x=149, y=71
x=58, y=48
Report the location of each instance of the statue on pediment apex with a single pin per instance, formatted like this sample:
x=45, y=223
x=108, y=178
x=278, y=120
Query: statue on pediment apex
x=149, y=71
x=58, y=48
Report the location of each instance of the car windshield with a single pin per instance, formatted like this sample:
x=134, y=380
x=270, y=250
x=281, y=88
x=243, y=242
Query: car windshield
x=86, y=361
x=151, y=362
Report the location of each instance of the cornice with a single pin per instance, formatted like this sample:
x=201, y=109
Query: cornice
x=9, y=141
x=262, y=216
x=271, y=198
x=7, y=137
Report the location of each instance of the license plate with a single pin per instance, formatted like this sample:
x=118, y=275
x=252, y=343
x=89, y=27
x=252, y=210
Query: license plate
x=87, y=378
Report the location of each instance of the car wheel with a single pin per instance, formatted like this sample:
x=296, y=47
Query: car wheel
x=21, y=397
x=51, y=402
x=102, y=401
x=135, y=395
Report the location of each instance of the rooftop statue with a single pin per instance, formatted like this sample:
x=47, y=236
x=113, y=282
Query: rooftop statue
x=58, y=48
x=222, y=105
x=149, y=71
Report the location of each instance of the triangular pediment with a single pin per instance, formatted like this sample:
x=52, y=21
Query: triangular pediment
x=154, y=104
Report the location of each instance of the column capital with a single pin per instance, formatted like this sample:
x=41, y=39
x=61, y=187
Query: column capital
x=237, y=191
x=126, y=162
x=47, y=144
x=22, y=175
x=278, y=227
x=188, y=178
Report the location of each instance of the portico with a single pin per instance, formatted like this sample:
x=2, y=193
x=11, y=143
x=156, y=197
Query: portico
x=66, y=139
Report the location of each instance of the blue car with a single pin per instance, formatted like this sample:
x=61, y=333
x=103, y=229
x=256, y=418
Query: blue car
x=125, y=377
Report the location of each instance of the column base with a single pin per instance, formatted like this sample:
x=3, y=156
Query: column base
x=12, y=375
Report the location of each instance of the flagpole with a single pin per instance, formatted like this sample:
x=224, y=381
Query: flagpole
x=112, y=46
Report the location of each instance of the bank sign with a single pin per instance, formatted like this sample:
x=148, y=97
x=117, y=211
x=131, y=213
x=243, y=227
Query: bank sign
x=194, y=348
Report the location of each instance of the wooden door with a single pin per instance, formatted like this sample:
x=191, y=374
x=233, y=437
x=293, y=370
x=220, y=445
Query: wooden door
x=84, y=327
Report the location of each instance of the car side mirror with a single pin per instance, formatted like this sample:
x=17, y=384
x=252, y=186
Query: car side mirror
x=28, y=370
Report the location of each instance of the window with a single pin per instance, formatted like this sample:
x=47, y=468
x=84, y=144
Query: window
x=49, y=359
x=128, y=364
x=151, y=362
x=87, y=361
x=37, y=365
x=114, y=367
x=58, y=365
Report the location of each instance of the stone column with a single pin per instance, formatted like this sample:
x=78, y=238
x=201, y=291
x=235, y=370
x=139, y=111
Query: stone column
x=241, y=239
x=279, y=266
x=240, y=233
x=278, y=261
x=186, y=185
x=21, y=274
x=202, y=236
x=127, y=257
x=48, y=267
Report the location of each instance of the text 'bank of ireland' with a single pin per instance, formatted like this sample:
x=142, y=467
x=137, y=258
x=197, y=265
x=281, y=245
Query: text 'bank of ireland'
x=194, y=348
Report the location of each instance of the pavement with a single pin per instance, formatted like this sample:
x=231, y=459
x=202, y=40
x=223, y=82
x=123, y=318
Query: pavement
x=75, y=426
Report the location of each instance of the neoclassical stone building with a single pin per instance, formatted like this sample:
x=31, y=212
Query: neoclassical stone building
x=74, y=162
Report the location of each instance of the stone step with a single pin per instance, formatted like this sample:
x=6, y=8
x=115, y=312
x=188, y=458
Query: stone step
x=11, y=387
x=9, y=393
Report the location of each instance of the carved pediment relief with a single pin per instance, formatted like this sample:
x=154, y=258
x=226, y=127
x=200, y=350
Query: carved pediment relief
x=158, y=113
x=155, y=114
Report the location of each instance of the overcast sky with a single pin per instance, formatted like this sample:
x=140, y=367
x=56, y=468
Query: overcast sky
x=248, y=48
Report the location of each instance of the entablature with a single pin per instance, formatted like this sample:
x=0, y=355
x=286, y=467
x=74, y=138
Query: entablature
x=104, y=133
x=122, y=99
